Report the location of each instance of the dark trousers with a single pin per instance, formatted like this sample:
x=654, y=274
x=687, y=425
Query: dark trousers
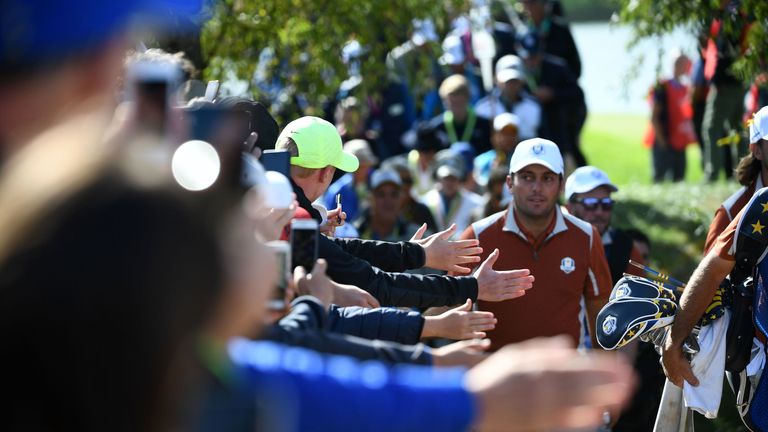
x=668, y=164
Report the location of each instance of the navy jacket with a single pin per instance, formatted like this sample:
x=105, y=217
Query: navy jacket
x=387, y=324
x=307, y=325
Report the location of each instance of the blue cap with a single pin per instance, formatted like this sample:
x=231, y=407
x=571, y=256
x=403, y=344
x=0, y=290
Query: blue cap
x=34, y=32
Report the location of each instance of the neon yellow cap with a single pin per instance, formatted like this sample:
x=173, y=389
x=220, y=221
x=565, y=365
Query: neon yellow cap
x=319, y=145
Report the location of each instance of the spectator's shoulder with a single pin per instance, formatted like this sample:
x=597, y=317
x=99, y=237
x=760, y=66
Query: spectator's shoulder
x=572, y=222
x=734, y=203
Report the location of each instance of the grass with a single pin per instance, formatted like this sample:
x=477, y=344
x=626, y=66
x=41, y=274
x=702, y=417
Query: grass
x=613, y=142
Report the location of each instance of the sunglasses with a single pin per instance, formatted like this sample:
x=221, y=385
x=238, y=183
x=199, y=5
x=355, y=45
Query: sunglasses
x=591, y=204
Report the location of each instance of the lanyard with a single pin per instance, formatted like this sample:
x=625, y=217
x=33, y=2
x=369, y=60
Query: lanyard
x=450, y=128
x=453, y=208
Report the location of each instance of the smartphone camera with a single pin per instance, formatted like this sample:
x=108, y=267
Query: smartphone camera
x=282, y=249
x=152, y=87
x=304, y=243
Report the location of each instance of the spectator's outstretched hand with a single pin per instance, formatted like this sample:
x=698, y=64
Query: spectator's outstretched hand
x=544, y=384
x=502, y=285
x=350, y=295
x=463, y=353
x=317, y=283
x=459, y=323
x=445, y=254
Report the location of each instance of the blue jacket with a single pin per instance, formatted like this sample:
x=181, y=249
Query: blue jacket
x=282, y=389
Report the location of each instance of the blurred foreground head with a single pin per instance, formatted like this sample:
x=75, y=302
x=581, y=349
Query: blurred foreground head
x=105, y=279
x=58, y=58
x=108, y=274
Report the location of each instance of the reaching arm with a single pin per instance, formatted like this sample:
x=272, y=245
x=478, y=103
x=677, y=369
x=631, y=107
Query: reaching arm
x=697, y=296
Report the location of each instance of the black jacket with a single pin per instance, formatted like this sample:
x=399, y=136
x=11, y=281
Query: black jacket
x=305, y=324
x=558, y=41
x=568, y=99
x=350, y=262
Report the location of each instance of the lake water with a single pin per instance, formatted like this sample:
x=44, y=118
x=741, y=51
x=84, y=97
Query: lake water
x=616, y=79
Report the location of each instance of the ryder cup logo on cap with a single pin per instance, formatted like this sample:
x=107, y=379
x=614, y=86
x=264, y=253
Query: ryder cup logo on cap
x=536, y=151
x=585, y=179
x=609, y=324
x=758, y=125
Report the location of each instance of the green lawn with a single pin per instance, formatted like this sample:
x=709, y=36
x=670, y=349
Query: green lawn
x=613, y=142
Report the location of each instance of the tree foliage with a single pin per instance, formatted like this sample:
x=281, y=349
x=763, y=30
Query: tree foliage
x=307, y=37
x=651, y=18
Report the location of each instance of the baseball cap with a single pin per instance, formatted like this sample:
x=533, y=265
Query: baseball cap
x=505, y=119
x=319, y=145
x=449, y=170
x=261, y=121
x=758, y=126
x=536, y=151
x=508, y=68
x=428, y=138
x=362, y=151
x=39, y=33
x=385, y=175
x=586, y=178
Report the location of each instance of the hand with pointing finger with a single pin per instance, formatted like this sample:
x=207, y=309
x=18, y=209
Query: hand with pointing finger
x=442, y=253
x=493, y=285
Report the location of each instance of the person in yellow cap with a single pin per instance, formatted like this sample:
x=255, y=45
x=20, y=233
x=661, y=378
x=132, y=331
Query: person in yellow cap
x=316, y=150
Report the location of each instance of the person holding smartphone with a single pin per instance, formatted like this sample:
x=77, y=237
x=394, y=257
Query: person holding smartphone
x=316, y=152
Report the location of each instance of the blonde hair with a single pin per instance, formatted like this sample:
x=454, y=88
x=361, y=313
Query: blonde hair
x=454, y=84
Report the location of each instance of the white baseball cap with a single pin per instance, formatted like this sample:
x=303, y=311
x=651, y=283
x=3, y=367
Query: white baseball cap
x=758, y=126
x=508, y=68
x=505, y=119
x=385, y=175
x=536, y=151
x=585, y=179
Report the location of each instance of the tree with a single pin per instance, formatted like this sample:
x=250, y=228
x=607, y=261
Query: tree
x=650, y=18
x=306, y=38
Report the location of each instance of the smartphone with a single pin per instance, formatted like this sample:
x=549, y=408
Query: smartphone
x=205, y=123
x=305, y=234
x=152, y=88
x=277, y=160
x=282, y=250
x=211, y=90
